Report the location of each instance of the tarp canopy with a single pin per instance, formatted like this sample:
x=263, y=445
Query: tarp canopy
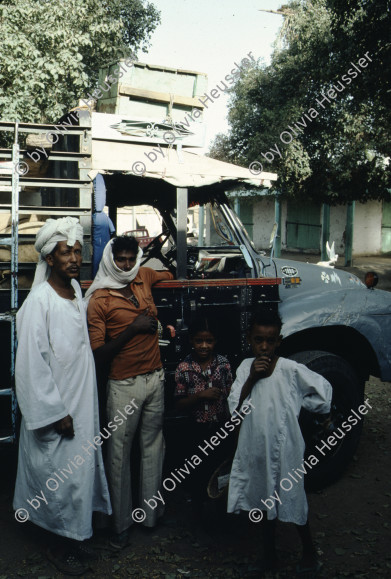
x=180, y=168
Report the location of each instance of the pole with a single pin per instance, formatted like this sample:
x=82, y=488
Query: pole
x=325, y=235
x=349, y=234
x=181, y=194
x=201, y=222
x=237, y=206
x=277, y=219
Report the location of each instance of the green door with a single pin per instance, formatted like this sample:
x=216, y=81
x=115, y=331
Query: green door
x=246, y=216
x=386, y=227
x=303, y=228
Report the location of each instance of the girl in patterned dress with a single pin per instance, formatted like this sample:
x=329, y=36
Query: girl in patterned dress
x=203, y=381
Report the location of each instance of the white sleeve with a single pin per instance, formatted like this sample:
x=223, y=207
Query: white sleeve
x=316, y=390
x=36, y=391
x=242, y=374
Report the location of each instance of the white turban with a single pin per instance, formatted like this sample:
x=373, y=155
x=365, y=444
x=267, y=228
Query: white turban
x=64, y=229
x=111, y=276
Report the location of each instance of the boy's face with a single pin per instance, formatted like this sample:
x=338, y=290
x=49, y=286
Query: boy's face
x=264, y=340
x=203, y=344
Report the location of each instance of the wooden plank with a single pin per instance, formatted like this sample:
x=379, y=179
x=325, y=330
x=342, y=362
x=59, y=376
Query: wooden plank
x=43, y=128
x=163, y=97
x=168, y=69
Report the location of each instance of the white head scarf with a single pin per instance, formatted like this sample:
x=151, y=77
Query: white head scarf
x=111, y=276
x=64, y=229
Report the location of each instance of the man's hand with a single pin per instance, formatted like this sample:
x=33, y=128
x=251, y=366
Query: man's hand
x=171, y=330
x=210, y=393
x=64, y=427
x=260, y=367
x=144, y=324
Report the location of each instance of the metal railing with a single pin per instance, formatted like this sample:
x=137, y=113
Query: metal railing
x=15, y=181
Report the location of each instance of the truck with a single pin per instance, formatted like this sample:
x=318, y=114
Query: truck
x=332, y=322
x=142, y=236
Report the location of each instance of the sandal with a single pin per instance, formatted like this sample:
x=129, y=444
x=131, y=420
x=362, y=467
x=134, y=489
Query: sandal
x=68, y=563
x=119, y=541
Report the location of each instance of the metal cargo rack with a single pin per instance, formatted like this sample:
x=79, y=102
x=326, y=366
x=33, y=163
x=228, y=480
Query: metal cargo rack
x=64, y=189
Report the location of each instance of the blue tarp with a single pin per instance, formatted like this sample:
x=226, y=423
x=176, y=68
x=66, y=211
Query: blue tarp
x=102, y=226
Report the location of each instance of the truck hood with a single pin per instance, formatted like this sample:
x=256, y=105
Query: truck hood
x=313, y=278
x=331, y=297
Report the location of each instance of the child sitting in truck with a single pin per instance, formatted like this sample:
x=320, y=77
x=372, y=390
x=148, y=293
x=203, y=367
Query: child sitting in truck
x=203, y=381
x=270, y=443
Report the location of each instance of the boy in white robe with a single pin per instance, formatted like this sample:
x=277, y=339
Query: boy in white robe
x=270, y=443
x=60, y=479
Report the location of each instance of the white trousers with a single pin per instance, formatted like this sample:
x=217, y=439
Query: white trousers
x=145, y=395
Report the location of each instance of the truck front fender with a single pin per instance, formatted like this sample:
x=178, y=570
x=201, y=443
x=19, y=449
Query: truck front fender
x=356, y=324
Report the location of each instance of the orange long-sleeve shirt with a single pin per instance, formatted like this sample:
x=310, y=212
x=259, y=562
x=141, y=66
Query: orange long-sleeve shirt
x=110, y=313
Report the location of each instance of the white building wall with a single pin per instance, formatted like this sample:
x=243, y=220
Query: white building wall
x=337, y=228
x=263, y=220
x=367, y=228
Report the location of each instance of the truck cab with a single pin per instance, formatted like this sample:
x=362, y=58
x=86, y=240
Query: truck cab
x=331, y=321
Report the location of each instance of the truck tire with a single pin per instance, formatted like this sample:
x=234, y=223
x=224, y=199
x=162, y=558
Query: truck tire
x=348, y=394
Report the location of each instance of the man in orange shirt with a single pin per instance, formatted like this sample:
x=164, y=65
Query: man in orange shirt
x=122, y=319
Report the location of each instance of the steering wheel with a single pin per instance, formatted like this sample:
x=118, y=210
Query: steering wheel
x=154, y=248
x=169, y=258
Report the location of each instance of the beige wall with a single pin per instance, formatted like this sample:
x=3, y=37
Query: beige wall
x=263, y=220
x=367, y=228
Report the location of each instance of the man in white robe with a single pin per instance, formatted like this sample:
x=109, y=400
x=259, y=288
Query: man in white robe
x=60, y=479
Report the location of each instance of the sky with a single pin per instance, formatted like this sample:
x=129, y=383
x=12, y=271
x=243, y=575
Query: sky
x=209, y=36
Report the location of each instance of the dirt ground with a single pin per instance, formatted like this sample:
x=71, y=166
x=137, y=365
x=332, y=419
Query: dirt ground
x=350, y=521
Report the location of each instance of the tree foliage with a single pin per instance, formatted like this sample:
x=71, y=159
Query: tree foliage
x=51, y=50
x=340, y=153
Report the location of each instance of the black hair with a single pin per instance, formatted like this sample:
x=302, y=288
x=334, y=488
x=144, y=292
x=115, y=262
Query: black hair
x=265, y=317
x=202, y=324
x=124, y=243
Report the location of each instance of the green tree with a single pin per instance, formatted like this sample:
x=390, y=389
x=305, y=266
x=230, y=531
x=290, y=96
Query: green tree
x=336, y=151
x=367, y=26
x=51, y=50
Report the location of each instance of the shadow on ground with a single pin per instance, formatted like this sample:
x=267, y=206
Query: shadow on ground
x=350, y=522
